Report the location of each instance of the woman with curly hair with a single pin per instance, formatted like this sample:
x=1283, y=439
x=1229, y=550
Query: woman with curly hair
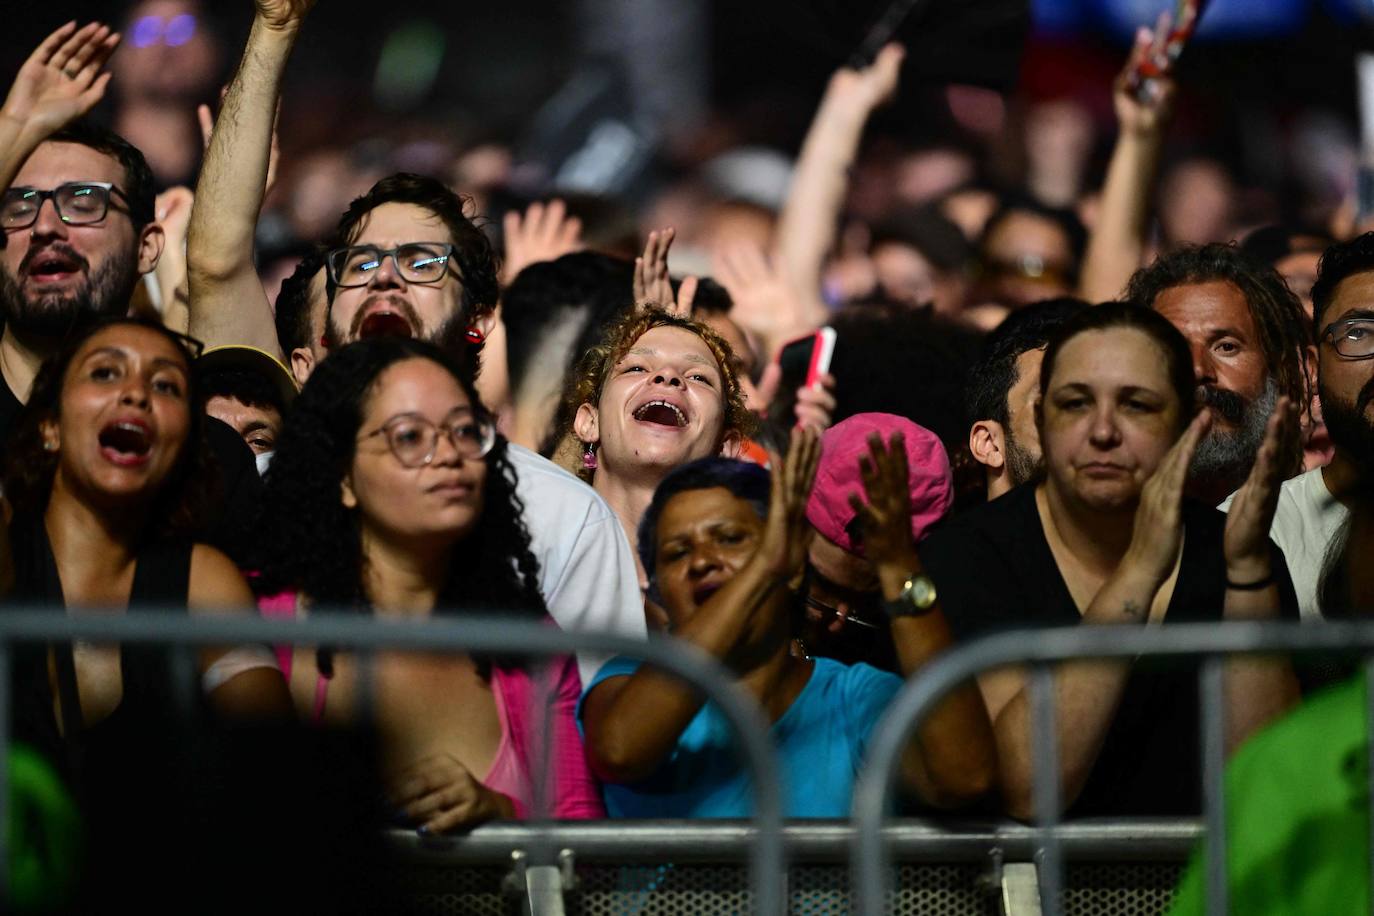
x=104, y=480
x=659, y=391
x=391, y=494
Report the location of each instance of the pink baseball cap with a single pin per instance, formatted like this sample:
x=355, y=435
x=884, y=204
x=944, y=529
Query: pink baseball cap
x=931, y=483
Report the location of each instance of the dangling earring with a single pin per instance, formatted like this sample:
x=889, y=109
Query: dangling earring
x=589, y=456
x=474, y=335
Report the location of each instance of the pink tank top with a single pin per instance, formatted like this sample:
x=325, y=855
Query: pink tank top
x=522, y=697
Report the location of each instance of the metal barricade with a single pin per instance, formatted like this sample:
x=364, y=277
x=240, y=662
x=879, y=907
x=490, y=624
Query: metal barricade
x=470, y=633
x=873, y=793
x=953, y=867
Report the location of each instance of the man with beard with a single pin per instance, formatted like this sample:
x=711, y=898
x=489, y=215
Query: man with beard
x=78, y=226
x=1249, y=339
x=1001, y=393
x=1314, y=506
x=77, y=212
x=406, y=260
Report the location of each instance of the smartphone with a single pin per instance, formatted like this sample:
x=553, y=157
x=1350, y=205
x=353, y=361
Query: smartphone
x=803, y=361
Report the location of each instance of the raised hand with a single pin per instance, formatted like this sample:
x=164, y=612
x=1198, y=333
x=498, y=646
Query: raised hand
x=885, y=519
x=1144, y=108
x=440, y=794
x=783, y=545
x=763, y=301
x=62, y=80
x=1246, y=542
x=1158, y=532
x=281, y=15
x=545, y=233
x=872, y=86
x=652, y=283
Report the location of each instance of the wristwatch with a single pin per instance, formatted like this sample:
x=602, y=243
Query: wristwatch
x=916, y=598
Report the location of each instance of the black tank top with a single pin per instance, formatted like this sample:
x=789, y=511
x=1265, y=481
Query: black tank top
x=93, y=756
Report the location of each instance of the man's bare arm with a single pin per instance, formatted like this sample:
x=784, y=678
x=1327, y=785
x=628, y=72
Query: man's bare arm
x=228, y=305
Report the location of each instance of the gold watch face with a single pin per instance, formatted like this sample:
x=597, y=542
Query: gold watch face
x=922, y=592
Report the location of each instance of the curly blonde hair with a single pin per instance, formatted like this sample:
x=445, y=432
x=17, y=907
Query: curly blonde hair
x=592, y=370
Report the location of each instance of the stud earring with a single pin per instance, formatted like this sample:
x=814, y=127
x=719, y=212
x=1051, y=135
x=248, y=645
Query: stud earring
x=589, y=456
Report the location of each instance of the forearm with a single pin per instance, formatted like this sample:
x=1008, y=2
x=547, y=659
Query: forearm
x=1257, y=689
x=1086, y=696
x=17, y=143
x=808, y=224
x=227, y=304
x=629, y=737
x=952, y=758
x=1116, y=245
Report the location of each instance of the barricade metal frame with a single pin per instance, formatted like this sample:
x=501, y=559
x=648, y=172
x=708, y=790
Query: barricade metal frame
x=875, y=788
x=471, y=633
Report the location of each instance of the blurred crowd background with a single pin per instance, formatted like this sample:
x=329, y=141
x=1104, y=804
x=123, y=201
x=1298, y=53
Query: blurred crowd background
x=647, y=113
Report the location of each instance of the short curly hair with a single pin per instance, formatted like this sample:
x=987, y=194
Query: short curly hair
x=589, y=378
x=308, y=540
x=181, y=505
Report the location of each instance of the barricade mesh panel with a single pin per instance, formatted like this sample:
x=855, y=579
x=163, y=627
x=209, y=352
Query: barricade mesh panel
x=1137, y=889
x=1142, y=889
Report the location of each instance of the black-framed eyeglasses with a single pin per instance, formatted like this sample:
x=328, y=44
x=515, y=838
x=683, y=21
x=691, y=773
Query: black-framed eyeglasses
x=417, y=262
x=77, y=203
x=861, y=608
x=1352, y=338
x=415, y=440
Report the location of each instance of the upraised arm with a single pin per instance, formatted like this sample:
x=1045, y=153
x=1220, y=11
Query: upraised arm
x=1116, y=245
x=62, y=80
x=952, y=758
x=228, y=305
x=807, y=226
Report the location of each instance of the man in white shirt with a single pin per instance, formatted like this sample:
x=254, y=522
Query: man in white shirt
x=1314, y=506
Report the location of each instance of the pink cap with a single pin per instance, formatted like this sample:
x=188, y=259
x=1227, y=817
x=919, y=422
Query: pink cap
x=931, y=483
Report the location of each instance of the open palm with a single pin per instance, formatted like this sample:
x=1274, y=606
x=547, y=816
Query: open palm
x=62, y=79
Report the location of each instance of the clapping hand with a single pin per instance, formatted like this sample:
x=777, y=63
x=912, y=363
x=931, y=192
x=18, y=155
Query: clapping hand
x=1158, y=532
x=62, y=80
x=1246, y=542
x=885, y=519
x=783, y=545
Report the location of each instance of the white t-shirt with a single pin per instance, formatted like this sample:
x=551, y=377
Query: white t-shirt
x=1307, y=520
x=586, y=571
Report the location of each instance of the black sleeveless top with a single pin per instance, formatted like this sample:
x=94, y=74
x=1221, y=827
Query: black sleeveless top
x=96, y=758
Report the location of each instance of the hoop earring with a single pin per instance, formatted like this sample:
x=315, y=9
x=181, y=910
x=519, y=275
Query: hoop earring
x=473, y=335
x=588, y=456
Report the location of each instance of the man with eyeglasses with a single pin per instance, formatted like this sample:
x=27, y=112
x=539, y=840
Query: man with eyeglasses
x=76, y=216
x=1313, y=507
x=406, y=260
x=77, y=230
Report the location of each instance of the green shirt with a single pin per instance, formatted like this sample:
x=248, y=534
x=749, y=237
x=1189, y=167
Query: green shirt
x=1297, y=813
